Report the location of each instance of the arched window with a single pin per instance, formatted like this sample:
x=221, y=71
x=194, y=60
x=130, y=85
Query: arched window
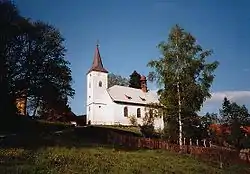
x=138, y=112
x=100, y=83
x=125, y=111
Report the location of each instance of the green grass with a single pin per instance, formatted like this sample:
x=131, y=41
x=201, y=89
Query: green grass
x=56, y=160
x=39, y=150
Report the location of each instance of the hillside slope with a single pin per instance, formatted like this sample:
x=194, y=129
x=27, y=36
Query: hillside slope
x=85, y=150
x=57, y=160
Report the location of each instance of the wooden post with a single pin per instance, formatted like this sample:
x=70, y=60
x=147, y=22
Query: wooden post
x=190, y=142
x=204, y=142
x=184, y=142
x=221, y=163
x=197, y=142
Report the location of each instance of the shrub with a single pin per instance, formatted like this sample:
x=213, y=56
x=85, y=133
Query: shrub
x=147, y=131
x=133, y=120
x=245, y=142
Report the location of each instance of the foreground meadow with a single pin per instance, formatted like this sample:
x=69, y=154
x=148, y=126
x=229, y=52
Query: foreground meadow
x=57, y=160
x=47, y=148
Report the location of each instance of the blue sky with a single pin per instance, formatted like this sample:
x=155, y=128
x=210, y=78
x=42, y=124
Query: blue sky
x=129, y=30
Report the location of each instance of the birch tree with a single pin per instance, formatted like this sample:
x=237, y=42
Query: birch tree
x=184, y=77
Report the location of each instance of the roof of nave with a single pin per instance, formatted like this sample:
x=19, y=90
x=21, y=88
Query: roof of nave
x=131, y=95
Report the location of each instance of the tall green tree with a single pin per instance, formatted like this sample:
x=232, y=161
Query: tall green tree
x=184, y=76
x=234, y=116
x=114, y=79
x=205, y=122
x=134, y=80
x=33, y=62
x=47, y=72
x=10, y=21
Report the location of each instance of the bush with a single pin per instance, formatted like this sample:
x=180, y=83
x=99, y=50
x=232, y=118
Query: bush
x=147, y=131
x=245, y=143
x=133, y=120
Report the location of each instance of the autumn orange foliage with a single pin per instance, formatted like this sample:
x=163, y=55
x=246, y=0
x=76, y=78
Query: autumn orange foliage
x=220, y=129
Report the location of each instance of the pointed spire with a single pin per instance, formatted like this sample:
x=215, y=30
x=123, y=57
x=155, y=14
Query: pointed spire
x=97, y=62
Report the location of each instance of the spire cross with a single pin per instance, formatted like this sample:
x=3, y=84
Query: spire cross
x=97, y=43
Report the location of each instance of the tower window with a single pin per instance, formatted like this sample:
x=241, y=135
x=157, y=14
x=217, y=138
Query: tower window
x=138, y=113
x=125, y=111
x=89, y=85
x=100, y=84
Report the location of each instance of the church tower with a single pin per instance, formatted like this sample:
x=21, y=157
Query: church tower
x=97, y=84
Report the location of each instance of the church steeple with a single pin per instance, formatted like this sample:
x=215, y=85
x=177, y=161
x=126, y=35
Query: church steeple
x=97, y=62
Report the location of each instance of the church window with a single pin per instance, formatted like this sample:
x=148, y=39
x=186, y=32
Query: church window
x=99, y=106
x=138, y=113
x=125, y=111
x=100, y=84
x=89, y=108
x=89, y=85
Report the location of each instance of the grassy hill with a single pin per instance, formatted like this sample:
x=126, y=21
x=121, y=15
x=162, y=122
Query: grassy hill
x=43, y=148
x=57, y=160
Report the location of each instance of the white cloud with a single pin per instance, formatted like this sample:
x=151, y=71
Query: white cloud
x=214, y=103
x=236, y=96
x=154, y=91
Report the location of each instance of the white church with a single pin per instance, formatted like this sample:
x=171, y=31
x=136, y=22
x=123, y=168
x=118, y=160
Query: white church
x=115, y=105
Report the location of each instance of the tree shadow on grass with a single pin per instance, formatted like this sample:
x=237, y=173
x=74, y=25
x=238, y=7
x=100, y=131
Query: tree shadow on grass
x=80, y=137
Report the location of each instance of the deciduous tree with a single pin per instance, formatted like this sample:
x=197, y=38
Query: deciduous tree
x=134, y=80
x=51, y=82
x=33, y=63
x=183, y=74
x=10, y=20
x=117, y=80
x=234, y=116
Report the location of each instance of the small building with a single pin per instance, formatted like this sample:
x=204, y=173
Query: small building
x=81, y=120
x=115, y=105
